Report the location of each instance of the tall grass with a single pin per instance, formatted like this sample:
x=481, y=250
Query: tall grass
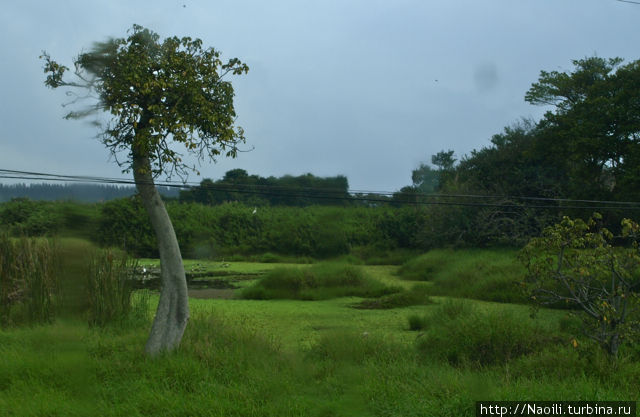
x=461, y=333
x=227, y=365
x=109, y=286
x=489, y=275
x=317, y=282
x=29, y=276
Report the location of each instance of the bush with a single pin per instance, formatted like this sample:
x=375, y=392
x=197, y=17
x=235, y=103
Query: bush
x=29, y=277
x=317, y=282
x=575, y=262
x=24, y=217
x=124, y=224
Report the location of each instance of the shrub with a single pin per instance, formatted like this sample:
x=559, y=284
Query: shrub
x=574, y=262
x=123, y=223
x=317, y=282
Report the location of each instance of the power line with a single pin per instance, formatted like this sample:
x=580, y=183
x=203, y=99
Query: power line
x=239, y=187
x=339, y=195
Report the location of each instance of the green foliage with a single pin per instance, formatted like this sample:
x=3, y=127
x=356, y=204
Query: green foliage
x=29, y=277
x=24, y=217
x=317, y=282
x=252, y=190
x=109, y=287
x=575, y=263
x=585, y=148
x=156, y=90
x=463, y=335
x=596, y=119
x=232, y=228
x=490, y=275
x=124, y=224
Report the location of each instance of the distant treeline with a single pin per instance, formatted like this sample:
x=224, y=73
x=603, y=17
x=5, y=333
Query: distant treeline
x=253, y=190
x=87, y=193
x=236, y=186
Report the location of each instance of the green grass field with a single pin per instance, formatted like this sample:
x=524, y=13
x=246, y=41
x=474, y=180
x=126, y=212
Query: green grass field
x=289, y=357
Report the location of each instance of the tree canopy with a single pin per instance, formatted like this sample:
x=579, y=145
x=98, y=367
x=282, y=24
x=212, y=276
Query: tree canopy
x=593, y=131
x=303, y=190
x=157, y=93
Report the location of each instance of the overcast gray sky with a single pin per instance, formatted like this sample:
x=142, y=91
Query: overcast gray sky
x=363, y=88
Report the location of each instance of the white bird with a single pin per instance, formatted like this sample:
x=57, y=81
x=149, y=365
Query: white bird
x=254, y=210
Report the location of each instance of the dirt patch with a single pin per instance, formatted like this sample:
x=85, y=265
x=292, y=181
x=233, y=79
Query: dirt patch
x=209, y=293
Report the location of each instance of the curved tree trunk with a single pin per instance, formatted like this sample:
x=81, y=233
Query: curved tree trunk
x=173, y=308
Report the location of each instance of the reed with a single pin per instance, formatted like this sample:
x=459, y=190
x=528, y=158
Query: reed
x=29, y=280
x=109, y=287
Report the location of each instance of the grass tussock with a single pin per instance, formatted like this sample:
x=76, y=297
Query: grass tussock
x=462, y=334
x=29, y=278
x=417, y=295
x=489, y=275
x=317, y=282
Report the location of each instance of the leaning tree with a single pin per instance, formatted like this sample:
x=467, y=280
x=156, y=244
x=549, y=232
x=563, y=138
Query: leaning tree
x=155, y=94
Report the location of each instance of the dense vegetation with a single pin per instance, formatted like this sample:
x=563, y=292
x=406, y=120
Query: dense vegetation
x=301, y=358
x=226, y=229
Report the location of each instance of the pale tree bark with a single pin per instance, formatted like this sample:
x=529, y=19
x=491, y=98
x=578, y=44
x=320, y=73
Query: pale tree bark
x=173, y=308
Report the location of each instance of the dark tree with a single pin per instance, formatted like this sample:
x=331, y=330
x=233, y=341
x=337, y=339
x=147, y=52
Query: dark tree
x=594, y=127
x=158, y=94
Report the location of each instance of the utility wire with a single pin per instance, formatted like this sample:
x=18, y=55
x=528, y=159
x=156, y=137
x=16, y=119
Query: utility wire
x=239, y=186
x=334, y=194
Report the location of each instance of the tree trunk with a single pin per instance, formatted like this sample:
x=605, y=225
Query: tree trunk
x=173, y=308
